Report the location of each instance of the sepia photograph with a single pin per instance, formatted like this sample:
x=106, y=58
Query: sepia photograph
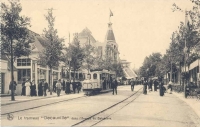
x=100, y=63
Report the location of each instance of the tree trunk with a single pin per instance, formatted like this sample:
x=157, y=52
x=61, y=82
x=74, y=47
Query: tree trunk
x=50, y=84
x=12, y=74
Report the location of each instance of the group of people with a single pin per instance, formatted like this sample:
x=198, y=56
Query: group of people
x=156, y=83
x=29, y=88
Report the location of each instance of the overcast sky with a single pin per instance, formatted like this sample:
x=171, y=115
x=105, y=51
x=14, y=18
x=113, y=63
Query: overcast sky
x=141, y=27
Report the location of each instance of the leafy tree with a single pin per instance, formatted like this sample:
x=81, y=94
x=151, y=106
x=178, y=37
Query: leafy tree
x=90, y=57
x=15, y=37
x=76, y=54
x=51, y=55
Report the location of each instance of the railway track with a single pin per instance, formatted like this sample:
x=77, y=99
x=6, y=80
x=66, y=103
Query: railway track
x=109, y=111
x=37, y=103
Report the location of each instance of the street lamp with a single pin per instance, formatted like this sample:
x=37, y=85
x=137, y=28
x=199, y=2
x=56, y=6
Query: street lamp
x=69, y=60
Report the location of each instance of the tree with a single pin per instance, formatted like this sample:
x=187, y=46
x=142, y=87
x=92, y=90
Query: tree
x=76, y=53
x=15, y=37
x=51, y=55
x=90, y=57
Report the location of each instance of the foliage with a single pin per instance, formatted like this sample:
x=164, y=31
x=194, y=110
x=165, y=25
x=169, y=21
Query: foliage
x=76, y=55
x=53, y=49
x=150, y=65
x=90, y=56
x=14, y=30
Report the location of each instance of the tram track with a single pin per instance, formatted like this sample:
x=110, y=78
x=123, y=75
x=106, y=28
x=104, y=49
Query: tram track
x=110, y=110
x=39, y=105
x=38, y=101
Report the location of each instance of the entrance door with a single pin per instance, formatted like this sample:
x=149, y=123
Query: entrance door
x=2, y=83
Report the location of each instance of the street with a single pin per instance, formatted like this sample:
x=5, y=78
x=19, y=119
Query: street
x=127, y=108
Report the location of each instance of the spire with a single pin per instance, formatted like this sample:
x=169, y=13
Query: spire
x=110, y=35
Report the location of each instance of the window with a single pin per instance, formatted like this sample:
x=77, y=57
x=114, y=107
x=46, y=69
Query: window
x=94, y=76
x=24, y=62
x=23, y=74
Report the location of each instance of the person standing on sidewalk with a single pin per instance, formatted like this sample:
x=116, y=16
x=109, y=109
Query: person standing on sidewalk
x=12, y=86
x=161, y=87
x=114, y=86
x=28, y=90
x=33, y=89
x=155, y=85
x=58, y=87
x=23, y=89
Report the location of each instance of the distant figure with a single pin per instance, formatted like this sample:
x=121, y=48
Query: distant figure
x=67, y=88
x=23, y=89
x=170, y=86
x=54, y=86
x=145, y=83
x=114, y=86
x=132, y=85
x=150, y=85
x=155, y=85
x=45, y=87
x=40, y=89
x=33, y=89
x=58, y=87
x=12, y=86
x=162, y=89
x=28, y=90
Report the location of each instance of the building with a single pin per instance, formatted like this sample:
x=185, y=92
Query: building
x=28, y=67
x=111, y=48
x=129, y=73
x=6, y=74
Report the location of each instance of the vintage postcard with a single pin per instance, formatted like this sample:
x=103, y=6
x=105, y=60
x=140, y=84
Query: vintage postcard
x=100, y=63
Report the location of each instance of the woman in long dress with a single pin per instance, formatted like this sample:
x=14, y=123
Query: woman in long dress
x=27, y=84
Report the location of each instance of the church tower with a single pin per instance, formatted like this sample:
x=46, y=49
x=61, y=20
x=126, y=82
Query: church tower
x=111, y=48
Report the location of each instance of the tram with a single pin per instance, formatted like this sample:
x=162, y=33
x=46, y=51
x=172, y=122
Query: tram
x=97, y=80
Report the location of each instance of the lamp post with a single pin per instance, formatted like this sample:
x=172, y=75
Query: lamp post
x=69, y=60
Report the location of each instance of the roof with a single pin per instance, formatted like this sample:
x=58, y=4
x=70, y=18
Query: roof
x=129, y=73
x=110, y=34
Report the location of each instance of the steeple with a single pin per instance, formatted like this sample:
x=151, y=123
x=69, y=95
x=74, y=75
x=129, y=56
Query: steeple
x=110, y=35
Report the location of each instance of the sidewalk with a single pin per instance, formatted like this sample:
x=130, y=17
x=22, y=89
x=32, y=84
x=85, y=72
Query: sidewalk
x=192, y=102
x=7, y=100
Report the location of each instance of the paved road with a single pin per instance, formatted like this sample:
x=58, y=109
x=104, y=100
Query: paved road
x=135, y=110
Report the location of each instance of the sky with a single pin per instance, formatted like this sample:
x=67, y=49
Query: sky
x=141, y=27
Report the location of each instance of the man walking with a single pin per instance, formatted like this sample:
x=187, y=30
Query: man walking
x=132, y=85
x=58, y=87
x=114, y=86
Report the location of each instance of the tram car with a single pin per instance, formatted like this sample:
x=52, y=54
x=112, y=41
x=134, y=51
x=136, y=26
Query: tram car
x=97, y=80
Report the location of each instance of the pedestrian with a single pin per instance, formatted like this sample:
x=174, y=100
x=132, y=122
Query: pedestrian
x=28, y=90
x=161, y=87
x=67, y=88
x=155, y=85
x=114, y=86
x=40, y=89
x=150, y=85
x=145, y=83
x=63, y=84
x=45, y=87
x=170, y=86
x=58, y=87
x=132, y=85
x=12, y=86
x=23, y=93
x=54, y=86
x=33, y=88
